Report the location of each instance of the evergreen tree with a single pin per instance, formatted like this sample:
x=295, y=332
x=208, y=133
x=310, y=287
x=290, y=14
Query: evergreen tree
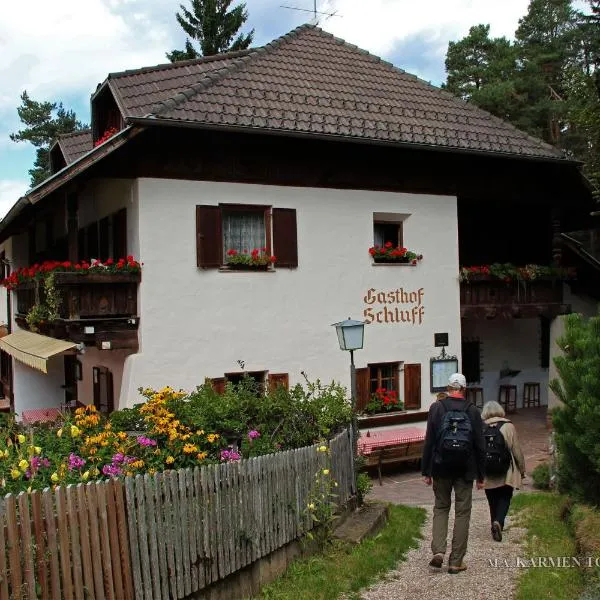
x=482, y=70
x=214, y=27
x=44, y=122
x=577, y=421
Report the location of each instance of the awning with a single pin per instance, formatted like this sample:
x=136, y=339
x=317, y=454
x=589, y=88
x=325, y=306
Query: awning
x=33, y=349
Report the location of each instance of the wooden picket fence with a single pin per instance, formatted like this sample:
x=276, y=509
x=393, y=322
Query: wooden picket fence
x=163, y=536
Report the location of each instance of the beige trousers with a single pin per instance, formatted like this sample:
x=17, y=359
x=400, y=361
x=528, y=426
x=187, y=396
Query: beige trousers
x=463, y=497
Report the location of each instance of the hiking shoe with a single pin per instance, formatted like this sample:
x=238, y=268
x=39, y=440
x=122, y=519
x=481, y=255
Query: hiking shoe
x=437, y=561
x=454, y=569
x=496, y=531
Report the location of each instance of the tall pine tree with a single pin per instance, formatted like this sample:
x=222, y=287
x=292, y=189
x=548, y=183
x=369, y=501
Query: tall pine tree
x=214, y=26
x=44, y=122
x=482, y=70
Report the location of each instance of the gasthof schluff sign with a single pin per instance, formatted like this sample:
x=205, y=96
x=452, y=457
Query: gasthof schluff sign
x=394, y=306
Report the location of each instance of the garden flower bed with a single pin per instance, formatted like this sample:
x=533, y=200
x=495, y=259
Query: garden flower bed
x=176, y=430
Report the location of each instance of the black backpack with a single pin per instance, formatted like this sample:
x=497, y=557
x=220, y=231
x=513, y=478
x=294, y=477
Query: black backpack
x=497, y=454
x=455, y=439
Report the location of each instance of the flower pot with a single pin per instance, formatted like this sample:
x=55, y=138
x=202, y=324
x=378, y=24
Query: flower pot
x=389, y=259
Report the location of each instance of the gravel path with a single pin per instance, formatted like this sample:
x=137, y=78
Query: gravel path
x=415, y=579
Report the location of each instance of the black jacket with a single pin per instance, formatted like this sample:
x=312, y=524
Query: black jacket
x=475, y=468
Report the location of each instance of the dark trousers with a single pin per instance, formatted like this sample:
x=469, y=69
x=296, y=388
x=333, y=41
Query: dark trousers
x=499, y=500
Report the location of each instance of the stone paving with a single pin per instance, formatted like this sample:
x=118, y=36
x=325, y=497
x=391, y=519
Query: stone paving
x=404, y=485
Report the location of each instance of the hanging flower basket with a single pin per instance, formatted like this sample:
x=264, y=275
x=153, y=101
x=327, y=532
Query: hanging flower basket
x=508, y=272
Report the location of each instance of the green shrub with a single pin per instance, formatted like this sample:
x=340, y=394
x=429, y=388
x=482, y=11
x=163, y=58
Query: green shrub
x=541, y=477
x=363, y=485
x=128, y=419
x=577, y=421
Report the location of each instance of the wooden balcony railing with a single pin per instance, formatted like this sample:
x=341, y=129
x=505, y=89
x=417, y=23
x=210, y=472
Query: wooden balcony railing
x=489, y=298
x=93, y=307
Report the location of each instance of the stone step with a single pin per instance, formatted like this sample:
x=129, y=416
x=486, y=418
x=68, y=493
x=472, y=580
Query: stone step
x=362, y=523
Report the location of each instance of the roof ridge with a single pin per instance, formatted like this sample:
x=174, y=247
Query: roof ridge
x=442, y=91
x=85, y=131
x=179, y=63
x=212, y=77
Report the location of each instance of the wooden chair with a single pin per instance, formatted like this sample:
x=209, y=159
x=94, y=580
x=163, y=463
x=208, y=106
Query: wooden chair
x=531, y=394
x=475, y=395
x=507, y=398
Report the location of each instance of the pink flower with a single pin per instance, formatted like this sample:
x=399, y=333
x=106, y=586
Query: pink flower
x=144, y=441
x=75, y=462
x=252, y=435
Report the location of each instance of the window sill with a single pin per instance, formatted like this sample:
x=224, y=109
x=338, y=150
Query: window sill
x=254, y=271
x=392, y=264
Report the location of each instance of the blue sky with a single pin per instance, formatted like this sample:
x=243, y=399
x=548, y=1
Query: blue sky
x=59, y=51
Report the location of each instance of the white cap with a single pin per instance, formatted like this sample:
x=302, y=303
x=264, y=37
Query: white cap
x=457, y=380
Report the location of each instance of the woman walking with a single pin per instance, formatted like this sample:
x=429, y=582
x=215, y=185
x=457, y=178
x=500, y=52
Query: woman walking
x=505, y=465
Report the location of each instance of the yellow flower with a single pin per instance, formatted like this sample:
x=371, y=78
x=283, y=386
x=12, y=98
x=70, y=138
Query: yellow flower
x=311, y=506
x=15, y=473
x=37, y=449
x=29, y=490
x=85, y=476
x=200, y=432
x=212, y=437
x=138, y=464
x=59, y=432
x=202, y=455
x=23, y=464
x=21, y=438
x=325, y=471
x=54, y=477
x=322, y=449
x=189, y=449
x=122, y=435
x=6, y=453
x=169, y=460
x=75, y=431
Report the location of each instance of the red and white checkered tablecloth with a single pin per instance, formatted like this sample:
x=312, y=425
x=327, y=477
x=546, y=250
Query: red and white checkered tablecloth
x=40, y=415
x=372, y=439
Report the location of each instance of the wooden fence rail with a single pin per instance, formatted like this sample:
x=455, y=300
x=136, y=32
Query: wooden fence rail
x=163, y=536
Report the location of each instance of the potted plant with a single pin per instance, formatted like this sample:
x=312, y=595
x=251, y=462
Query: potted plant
x=384, y=401
x=256, y=260
x=388, y=253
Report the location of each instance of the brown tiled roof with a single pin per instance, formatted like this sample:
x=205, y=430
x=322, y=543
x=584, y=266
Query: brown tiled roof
x=140, y=89
x=310, y=82
x=76, y=144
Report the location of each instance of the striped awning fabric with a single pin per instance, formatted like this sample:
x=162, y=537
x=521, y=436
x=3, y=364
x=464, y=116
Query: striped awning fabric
x=33, y=349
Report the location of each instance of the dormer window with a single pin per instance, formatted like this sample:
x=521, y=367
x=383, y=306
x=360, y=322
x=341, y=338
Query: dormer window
x=106, y=116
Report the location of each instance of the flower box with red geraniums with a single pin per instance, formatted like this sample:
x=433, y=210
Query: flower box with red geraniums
x=388, y=253
x=384, y=401
x=257, y=259
x=39, y=271
x=508, y=272
x=106, y=136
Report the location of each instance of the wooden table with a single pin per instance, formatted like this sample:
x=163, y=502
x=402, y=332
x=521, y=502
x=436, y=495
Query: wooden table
x=395, y=445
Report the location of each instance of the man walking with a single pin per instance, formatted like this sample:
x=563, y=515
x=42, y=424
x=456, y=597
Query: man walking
x=453, y=457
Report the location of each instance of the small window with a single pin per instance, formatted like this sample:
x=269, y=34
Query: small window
x=244, y=229
x=387, y=232
x=259, y=377
x=384, y=375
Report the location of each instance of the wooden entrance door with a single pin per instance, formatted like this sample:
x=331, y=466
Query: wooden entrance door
x=103, y=390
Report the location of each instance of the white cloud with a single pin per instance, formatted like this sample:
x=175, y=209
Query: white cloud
x=10, y=191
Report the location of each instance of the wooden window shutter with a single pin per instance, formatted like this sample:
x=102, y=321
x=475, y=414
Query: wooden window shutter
x=412, y=386
x=119, y=248
x=218, y=384
x=362, y=388
x=209, y=240
x=278, y=379
x=285, y=237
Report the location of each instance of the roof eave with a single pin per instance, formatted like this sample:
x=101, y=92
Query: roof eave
x=153, y=120
x=67, y=173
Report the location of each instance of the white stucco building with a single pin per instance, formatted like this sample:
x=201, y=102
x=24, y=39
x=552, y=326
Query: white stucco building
x=240, y=152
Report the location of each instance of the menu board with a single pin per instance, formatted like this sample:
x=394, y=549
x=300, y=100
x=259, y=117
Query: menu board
x=441, y=369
